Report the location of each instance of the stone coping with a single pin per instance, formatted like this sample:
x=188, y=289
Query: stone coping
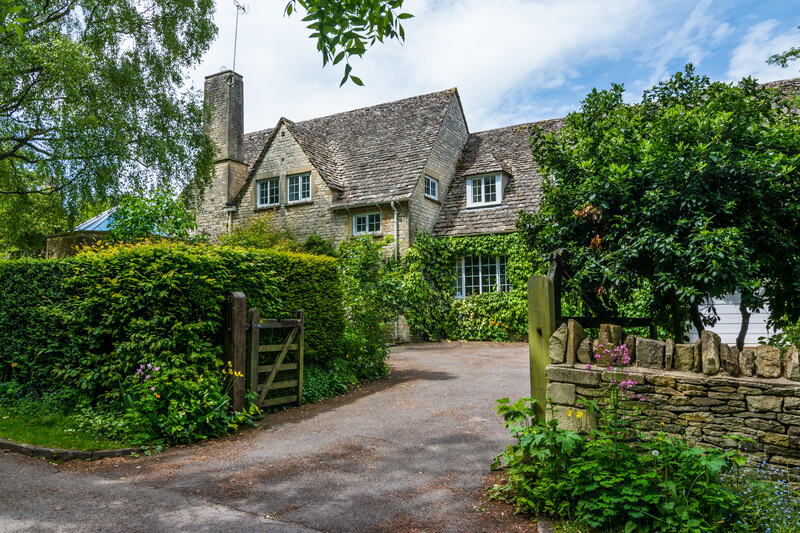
x=62, y=454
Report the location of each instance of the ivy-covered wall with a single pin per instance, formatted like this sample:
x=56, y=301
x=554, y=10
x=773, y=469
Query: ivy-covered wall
x=433, y=312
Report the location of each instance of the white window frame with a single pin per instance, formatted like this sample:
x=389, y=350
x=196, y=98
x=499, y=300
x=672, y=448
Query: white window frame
x=499, y=283
x=267, y=183
x=367, y=223
x=431, y=188
x=302, y=179
x=485, y=183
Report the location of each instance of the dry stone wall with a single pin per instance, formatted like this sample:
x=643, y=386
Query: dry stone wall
x=707, y=391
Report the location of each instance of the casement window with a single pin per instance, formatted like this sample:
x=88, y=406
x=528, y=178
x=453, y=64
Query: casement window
x=366, y=223
x=299, y=187
x=269, y=192
x=431, y=188
x=479, y=274
x=484, y=190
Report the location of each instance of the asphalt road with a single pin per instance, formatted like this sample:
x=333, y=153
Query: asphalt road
x=408, y=453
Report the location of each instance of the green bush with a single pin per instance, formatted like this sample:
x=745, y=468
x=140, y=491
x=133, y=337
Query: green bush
x=429, y=277
x=27, y=288
x=491, y=316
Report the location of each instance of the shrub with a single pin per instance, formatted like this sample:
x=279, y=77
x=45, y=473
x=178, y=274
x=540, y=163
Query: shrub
x=491, y=316
x=27, y=288
x=260, y=233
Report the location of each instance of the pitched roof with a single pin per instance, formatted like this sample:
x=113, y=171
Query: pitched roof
x=507, y=150
x=373, y=154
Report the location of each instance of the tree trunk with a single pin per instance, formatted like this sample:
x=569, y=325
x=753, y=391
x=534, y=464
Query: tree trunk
x=697, y=320
x=677, y=321
x=745, y=324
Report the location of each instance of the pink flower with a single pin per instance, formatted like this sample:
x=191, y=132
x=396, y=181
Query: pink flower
x=588, y=367
x=153, y=389
x=157, y=368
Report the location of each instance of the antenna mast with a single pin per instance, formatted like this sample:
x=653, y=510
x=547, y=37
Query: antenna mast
x=240, y=8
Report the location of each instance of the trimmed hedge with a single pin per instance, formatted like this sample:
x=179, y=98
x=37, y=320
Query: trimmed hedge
x=91, y=319
x=27, y=288
x=310, y=282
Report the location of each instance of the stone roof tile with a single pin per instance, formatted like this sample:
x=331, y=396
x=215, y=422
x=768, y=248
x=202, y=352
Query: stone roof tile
x=374, y=154
x=510, y=150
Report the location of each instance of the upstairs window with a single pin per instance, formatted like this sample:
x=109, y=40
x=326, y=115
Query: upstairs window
x=299, y=187
x=484, y=190
x=367, y=223
x=269, y=192
x=479, y=274
x=431, y=188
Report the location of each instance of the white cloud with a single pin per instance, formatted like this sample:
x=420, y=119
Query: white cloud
x=512, y=60
x=761, y=41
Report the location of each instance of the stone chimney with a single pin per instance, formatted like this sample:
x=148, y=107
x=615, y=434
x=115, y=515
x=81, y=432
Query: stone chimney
x=224, y=124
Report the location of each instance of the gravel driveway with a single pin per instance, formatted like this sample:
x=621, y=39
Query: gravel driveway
x=408, y=453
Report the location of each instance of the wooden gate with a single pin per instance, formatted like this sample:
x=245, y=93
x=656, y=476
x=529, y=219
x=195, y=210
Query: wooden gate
x=271, y=375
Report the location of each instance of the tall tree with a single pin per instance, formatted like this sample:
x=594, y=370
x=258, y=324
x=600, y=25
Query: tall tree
x=694, y=192
x=91, y=103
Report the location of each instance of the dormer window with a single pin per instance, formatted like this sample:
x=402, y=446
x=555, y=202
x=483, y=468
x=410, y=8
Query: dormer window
x=299, y=187
x=431, y=188
x=484, y=190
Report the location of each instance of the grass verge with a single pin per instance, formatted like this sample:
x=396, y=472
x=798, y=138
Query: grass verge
x=53, y=430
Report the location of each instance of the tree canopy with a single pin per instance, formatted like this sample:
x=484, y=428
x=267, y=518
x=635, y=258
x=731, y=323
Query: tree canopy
x=691, y=193
x=91, y=97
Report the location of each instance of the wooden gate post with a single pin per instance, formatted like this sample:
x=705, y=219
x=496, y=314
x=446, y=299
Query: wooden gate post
x=253, y=352
x=541, y=324
x=235, y=342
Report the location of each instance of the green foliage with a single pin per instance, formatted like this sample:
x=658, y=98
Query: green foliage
x=769, y=498
x=371, y=290
x=10, y=19
x=690, y=193
x=28, y=287
x=346, y=27
x=311, y=283
x=655, y=484
x=318, y=246
x=160, y=215
x=260, y=233
x=429, y=278
x=92, y=93
x=491, y=316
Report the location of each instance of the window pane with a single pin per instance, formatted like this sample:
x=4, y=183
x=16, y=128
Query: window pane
x=274, y=187
x=374, y=223
x=459, y=281
x=488, y=274
x=262, y=193
x=361, y=224
x=502, y=262
x=294, y=188
x=472, y=275
x=489, y=189
x=306, y=187
x=477, y=191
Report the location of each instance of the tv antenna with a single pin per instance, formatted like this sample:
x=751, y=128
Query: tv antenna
x=240, y=8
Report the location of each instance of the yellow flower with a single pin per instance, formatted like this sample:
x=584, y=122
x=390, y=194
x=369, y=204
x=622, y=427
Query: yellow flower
x=14, y=364
x=579, y=414
x=569, y=412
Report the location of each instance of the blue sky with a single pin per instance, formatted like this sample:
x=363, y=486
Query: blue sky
x=513, y=61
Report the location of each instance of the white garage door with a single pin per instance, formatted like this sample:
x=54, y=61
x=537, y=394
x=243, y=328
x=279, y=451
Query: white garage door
x=730, y=320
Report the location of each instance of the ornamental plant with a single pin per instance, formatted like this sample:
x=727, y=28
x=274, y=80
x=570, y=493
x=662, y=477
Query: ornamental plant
x=614, y=476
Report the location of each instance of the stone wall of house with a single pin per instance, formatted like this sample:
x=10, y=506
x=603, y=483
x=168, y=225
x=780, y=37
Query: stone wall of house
x=441, y=166
x=706, y=391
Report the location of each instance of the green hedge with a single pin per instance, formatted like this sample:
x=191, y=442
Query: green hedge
x=310, y=282
x=27, y=288
x=91, y=319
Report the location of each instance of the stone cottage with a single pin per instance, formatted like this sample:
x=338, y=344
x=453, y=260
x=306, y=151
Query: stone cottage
x=395, y=169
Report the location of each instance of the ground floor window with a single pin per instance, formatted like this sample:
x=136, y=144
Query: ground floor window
x=479, y=274
x=367, y=223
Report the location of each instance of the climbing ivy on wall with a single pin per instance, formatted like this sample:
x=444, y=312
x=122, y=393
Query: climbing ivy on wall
x=429, y=278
